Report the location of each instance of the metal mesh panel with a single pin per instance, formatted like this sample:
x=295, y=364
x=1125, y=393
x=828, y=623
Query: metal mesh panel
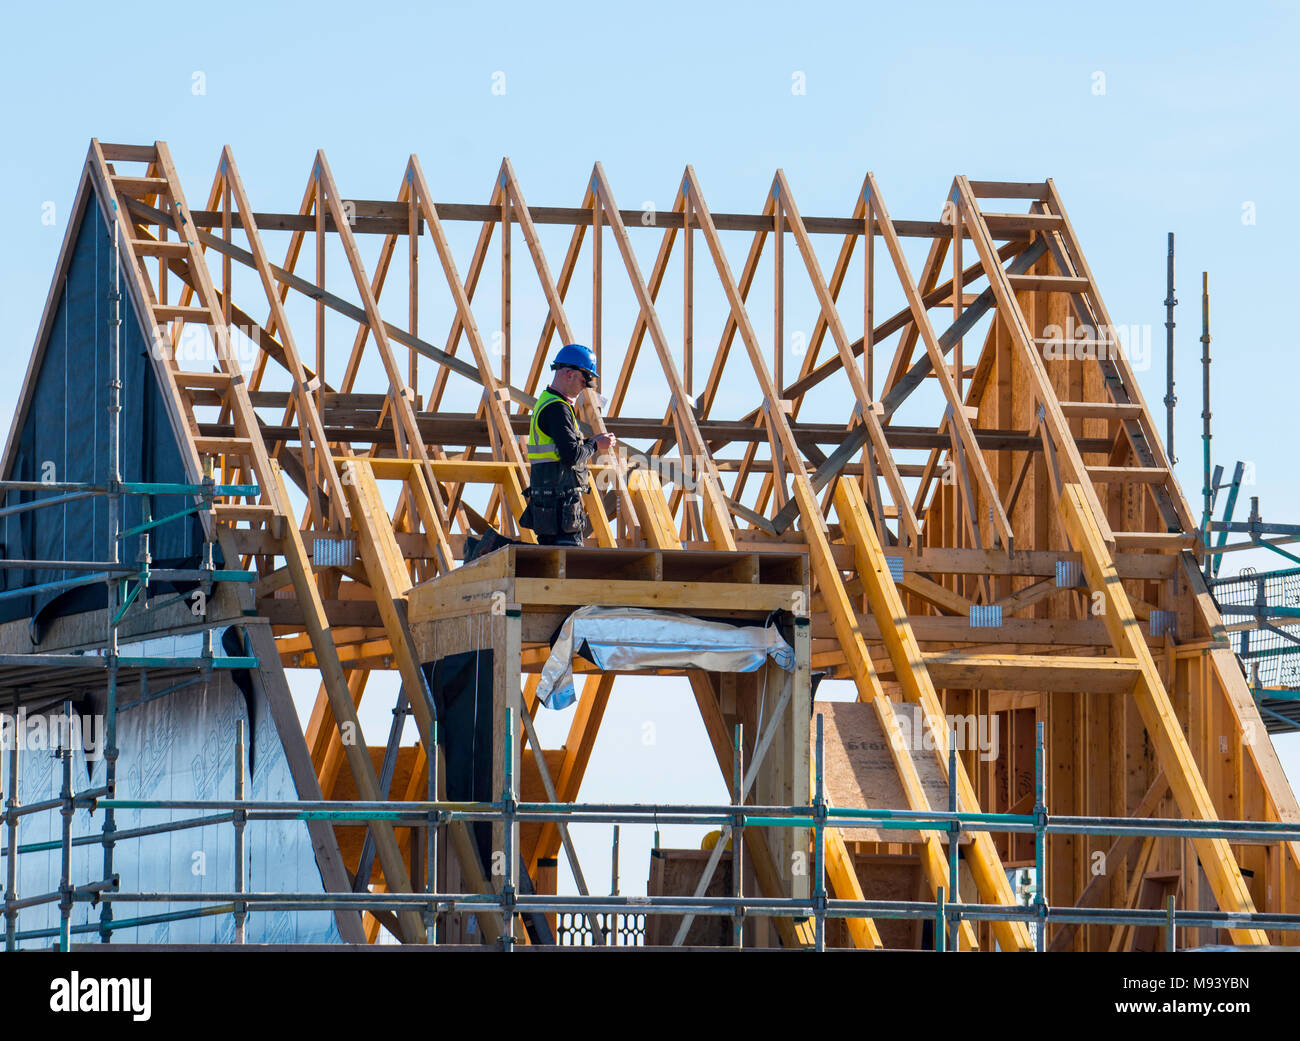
x=1069, y=573
x=1274, y=588
x=1270, y=649
x=895, y=567
x=334, y=552
x=1163, y=622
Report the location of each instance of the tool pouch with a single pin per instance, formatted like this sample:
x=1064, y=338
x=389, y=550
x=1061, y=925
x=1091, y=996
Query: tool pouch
x=543, y=511
x=572, y=520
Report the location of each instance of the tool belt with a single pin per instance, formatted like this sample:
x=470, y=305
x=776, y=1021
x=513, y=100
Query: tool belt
x=555, y=501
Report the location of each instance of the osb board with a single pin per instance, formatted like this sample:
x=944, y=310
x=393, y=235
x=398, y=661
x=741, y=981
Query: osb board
x=345, y=787
x=676, y=872
x=860, y=772
x=886, y=878
x=350, y=837
x=531, y=789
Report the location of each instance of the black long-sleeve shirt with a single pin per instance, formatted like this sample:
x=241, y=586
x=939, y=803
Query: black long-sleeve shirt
x=557, y=422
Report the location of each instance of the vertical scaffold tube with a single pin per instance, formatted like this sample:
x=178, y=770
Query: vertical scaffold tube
x=1207, y=491
x=1040, y=842
x=1171, y=399
x=114, y=497
x=508, y=801
x=737, y=834
x=954, y=832
x=940, y=932
x=819, y=846
x=431, y=840
x=1171, y=937
x=240, y=817
x=66, y=811
x=11, y=851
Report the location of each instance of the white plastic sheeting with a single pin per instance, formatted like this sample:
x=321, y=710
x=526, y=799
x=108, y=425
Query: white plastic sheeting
x=181, y=746
x=626, y=638
x=181, y=645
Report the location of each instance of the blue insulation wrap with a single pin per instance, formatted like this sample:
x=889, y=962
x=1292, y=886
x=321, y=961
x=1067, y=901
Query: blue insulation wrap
x=64, y=436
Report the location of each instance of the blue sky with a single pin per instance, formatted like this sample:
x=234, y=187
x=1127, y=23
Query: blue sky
x=1193, y=131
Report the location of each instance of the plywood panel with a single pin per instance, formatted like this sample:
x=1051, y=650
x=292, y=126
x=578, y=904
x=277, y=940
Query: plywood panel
x=676, y=872
x=860, y=771
x=886, y=878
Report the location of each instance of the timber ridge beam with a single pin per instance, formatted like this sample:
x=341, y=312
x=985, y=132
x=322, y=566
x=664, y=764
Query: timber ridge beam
x=389, y=218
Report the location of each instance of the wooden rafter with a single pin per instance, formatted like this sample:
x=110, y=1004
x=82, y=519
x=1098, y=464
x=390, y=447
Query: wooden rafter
x=1029, y=462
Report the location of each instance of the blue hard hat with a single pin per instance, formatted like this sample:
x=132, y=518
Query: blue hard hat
x=576, y=356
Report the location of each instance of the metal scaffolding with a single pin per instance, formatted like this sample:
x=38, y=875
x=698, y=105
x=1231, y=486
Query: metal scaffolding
x=965, y=505
x=127, y=585
x=946, y=912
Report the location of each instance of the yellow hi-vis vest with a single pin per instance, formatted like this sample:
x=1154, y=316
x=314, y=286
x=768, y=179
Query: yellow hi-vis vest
x=541, y=446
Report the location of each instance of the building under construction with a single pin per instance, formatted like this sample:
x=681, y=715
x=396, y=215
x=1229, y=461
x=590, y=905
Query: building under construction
x=200, y=494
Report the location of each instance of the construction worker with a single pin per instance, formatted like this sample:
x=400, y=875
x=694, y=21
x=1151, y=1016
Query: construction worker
x=558, y=454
